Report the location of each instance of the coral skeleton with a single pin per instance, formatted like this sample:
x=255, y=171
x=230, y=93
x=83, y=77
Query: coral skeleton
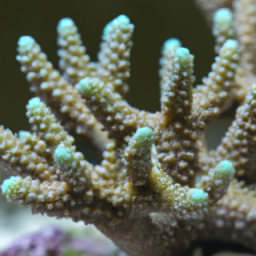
x=157, y=188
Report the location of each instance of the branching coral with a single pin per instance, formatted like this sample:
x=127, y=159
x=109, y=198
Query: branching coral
x=157, y=188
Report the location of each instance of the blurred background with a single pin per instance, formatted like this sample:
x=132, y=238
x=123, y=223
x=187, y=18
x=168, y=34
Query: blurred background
x=155, y=21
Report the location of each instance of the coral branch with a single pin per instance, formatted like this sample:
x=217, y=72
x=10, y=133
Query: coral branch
x=223, y=27
x=245, y=22
x=184, y=202
x=211, y=99
x=19, y=156
x=176, y=85
x=217, y=181
x=117, y=116
x=62, y=97
x=28, y=192
x=73, y=61
x=114, y=65
x=137, y=156
x=238, y=145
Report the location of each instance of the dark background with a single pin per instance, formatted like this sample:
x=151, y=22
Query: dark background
x=155, y=21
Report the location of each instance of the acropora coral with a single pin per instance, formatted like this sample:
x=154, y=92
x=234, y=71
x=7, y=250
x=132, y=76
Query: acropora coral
x=158, y=188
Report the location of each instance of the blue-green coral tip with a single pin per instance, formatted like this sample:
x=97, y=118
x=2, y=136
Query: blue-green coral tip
x=86, y=86
x=223, y=16
x=123, y=19
x=7, y=184
x=63, y=156
x=171, y=43
x=26, y=42
x=144, y=135
x=198, y=195
x=231, y=44
x=34, y=103
x=120, y=20
x=225, y=168
x=65, y=23
x=23, y=135
x=183, y=54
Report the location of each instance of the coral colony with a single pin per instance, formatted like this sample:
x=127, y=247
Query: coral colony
x=157, y=188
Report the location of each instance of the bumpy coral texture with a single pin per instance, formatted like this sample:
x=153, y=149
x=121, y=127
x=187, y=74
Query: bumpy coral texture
x=157, y=189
